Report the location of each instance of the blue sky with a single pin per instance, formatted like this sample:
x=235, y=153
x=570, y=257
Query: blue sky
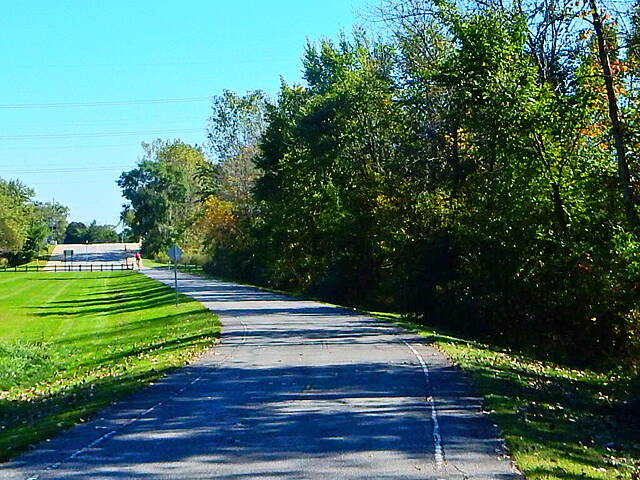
x=129, y=53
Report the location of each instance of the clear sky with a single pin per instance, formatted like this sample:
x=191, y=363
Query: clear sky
x=136, y=70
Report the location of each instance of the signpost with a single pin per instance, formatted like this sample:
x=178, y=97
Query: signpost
x=175, y=254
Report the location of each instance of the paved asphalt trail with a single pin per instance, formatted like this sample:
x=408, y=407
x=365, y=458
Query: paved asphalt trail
x=295, y=390
x=93, y=253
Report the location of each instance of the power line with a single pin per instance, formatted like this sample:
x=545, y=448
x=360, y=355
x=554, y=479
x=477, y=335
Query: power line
x=102, y=122
x=75, y=146
x=235, y=61
x=65, y=182
x=103, y=104
x=97, y=135
x=69, y=169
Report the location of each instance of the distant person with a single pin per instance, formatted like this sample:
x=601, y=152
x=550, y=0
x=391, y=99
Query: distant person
x=138, y=257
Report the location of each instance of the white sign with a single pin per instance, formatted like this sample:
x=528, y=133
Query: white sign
x=174, y=253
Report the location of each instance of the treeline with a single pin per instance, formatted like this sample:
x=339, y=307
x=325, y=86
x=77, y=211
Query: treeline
x=25, y=224
x=78, y=232
x=481, y=167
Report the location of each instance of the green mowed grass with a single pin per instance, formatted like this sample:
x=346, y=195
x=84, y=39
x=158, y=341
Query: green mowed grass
x=560, y=423
x=71, y=343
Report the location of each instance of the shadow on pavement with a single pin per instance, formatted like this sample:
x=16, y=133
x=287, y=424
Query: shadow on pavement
x=262, y=419
x=258, y=418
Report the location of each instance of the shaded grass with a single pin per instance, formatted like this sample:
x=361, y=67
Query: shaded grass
x=559, y=423
x=72, y=343
x=182, y=267
x=147, y=262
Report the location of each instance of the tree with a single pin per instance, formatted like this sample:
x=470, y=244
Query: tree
x=469, y=168
x=35, y=241
x=75, y=233
x=228, y=178
x=334, y=183
x=24, y=223
x=100, y=233
x=162, y=193
x=54, y=217
x=15, y=213
x=236, y=123
x=78, y=232
x=234, y=130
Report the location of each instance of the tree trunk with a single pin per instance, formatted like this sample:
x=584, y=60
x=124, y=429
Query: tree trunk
x=558, y=208
x=617, y=129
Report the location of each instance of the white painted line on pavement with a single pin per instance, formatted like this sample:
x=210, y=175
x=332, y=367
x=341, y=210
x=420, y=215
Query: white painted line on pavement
x=110, y=433
x=437, y=438
x=244, y=332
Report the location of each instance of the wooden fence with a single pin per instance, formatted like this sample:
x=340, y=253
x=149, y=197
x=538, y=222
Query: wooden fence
x=87, y=267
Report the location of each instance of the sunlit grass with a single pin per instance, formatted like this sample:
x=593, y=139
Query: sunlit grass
x=560, y=423
x=71, y=343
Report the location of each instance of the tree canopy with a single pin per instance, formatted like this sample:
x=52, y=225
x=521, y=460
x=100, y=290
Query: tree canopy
x=478, y=165
x=25, y=224
x=162, y=193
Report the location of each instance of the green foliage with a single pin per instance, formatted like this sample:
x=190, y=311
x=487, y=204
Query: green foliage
x=467, y=170
x=15, y=212
x=100, y=233
x=228, y=179
x=162, y=194
x=54, y=217
x=236, y=123
x=334, y=179
x=456, y=173
x=105, y=336
x=74, y=232
x=25, y=224
x=78, y=232
x=34, y=242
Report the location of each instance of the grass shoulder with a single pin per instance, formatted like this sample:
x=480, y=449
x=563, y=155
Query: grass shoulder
x=73, y=343
x=559, y=423
x=149, y=263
